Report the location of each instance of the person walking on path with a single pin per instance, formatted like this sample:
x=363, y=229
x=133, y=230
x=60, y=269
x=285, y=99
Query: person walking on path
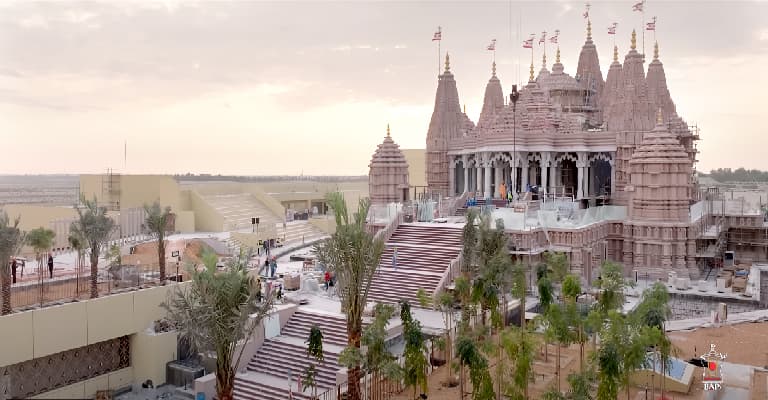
x=13, y=269
x=394, y=259
x=327, y=280
x=50, y=264
x=273, y=267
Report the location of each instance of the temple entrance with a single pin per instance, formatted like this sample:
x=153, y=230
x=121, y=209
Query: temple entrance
x=569, y=176
x=534, y=173
x=458, y=178
x=600, y=182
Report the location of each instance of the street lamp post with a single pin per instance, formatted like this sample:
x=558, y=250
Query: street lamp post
x=514, y=96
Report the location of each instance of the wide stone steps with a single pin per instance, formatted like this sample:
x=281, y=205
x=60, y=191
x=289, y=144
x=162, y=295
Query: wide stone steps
x=333, y=328
x=392, y=286
x=280, y=359
x=251, y=390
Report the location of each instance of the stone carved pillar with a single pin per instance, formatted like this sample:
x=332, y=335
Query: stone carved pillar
x=613, y=175
x=487, y=192
x=525, y=173
x=513, y=176
x=545, y=162
x=452, y=179
x=552, y=176
x=580, y=183
x=466, y=173
x=478, y=174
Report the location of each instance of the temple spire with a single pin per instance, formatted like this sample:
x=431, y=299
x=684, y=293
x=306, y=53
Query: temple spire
x=659, y=118
x=388, y=130
x=557, y=56
x=589, y=29
x=615, y=53
x=530, y=79
x=544, y=61
x=656, y=51
x=634, y=40
x=447, y=62
x=493, y=69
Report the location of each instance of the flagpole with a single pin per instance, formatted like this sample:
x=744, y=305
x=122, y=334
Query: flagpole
x=438, y=50
x=642, y=25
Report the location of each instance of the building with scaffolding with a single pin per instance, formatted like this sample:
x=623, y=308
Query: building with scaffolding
x=602, y=169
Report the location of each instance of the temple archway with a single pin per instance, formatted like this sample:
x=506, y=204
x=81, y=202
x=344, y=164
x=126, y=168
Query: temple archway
x=569, y=176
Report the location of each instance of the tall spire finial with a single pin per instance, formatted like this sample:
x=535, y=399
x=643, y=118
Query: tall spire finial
x=656, y=51
x=531, y=78
x=388, y=130
x=615, y=53
x=465, y=108
x=544, y=61
x=447, y=62
x=659, y=118
x=493, y=68
x=634, y=40
x=589, y=29
x=557, y=55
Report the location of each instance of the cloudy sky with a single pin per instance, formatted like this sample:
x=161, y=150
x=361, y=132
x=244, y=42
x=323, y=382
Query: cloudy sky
x=251, y=87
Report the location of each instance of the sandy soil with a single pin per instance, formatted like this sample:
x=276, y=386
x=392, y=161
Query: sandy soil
x=744, y=343
x=146, y=253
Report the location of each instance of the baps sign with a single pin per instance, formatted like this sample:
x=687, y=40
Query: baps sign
x=712, y=377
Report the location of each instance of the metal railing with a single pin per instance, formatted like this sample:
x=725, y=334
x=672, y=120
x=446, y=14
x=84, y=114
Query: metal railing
x=36, y=289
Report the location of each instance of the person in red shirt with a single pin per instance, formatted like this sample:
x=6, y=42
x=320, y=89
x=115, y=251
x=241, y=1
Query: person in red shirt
x=327, y=279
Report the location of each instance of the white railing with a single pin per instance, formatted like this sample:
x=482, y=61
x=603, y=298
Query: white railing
x=386, y=232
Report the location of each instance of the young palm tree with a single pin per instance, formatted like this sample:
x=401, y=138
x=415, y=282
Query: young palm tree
x=95, y=227
x=158, y=223
x=353, y=254
x=77, y=243
x=11, y=238
x=41, y=241
x=217, y=312
x=415, y=365
x=314, y=350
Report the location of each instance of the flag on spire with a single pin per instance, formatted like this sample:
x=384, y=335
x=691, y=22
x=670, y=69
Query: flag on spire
x=528, y=44
x=438, y=35
x=492, y=46
x=543, y=37
x=586, y=12
x=638, y=6
x=651, y=26
x=612, y=28
x=553, y=39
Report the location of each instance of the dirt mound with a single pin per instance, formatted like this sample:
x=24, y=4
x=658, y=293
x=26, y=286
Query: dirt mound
x=146, y=253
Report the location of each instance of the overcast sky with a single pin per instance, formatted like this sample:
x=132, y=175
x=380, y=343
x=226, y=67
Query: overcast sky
x=255, y=88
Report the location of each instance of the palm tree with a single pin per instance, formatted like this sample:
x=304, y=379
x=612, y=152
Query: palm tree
x=41, y=241
x=95, y=227
x=353, y=254
x=77, y=243
x=653, y=311
x=469, y=242
x=219, y=311
x=157, y=222
x=314, y=350
x=415, y=365
x=11, y=238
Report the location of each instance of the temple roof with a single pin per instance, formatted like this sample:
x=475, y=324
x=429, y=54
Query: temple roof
x=658, y=93
x=660, y=146
x=613, y=84
x=535, y=113
x=448, y=121
x=493, y=101
x=558, y=79
x=588, y=71
x=633, y=110
x=388, y=154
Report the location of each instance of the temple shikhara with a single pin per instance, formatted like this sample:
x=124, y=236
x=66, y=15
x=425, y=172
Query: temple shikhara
x=599, y=166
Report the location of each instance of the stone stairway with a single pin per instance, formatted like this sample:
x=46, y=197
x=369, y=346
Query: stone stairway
x=424, y=252
x=237, y=210
x=281, y=360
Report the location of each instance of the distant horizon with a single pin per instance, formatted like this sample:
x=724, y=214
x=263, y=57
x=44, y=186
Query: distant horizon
x=274, y=88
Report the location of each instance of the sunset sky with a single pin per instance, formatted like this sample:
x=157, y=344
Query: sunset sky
x=262, y=88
